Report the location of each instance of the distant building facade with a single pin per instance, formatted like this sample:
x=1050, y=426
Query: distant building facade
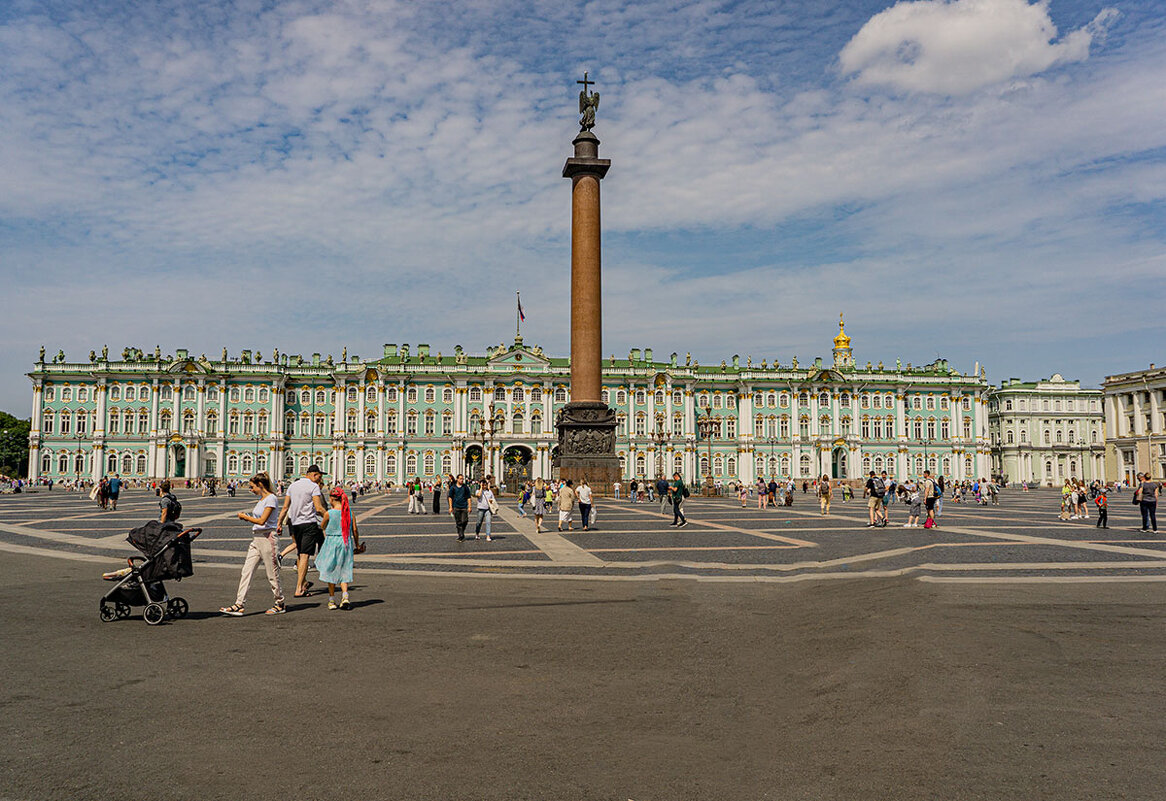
x=1046, y=431
x=416, y=413
x=1135, y=417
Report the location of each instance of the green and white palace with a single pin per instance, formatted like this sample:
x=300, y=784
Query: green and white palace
x=411, y=413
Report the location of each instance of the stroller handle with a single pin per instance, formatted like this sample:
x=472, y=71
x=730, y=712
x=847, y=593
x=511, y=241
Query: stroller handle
x=191, y=532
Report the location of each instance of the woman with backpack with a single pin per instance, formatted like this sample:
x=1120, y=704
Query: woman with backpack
x=824, y=493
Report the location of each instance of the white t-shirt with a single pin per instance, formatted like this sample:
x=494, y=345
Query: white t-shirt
x=270, y=502
x=485, y=498
x=583, y=494
x=302, y=510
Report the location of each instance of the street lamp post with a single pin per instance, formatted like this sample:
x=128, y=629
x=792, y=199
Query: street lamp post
x=708, y=426
x=660, y=438
x=485, y=435
x=77, y=457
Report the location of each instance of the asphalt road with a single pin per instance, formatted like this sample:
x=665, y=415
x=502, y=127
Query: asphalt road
x=445, y=688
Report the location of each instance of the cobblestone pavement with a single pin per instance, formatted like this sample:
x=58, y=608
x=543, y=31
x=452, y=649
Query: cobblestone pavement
x=1038, y=680
x=1021, y=539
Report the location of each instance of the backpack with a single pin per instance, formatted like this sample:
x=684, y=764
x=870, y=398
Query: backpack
x=174, y=506
x=880, y=489
x=684, y=490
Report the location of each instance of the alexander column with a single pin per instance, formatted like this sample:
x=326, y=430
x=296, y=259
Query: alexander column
x=586, y=425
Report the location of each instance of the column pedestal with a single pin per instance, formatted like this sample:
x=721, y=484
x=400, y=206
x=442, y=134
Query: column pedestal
x=587, y=445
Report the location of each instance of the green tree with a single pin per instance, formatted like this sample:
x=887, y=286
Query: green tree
x=14, y=445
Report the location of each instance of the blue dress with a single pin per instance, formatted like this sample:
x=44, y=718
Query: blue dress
x=334, y=561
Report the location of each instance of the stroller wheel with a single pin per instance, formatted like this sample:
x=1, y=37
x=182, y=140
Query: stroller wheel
x=154, y=614
x=108, y=613
x=177, y=607
x=123, y=610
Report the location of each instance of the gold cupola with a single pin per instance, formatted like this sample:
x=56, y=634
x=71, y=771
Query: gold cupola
x=842, y=354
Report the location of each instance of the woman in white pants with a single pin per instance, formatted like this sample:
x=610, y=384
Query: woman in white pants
x=263, y=548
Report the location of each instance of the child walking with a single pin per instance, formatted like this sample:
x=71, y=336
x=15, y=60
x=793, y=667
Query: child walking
x=1102, y=502
x=334, y=561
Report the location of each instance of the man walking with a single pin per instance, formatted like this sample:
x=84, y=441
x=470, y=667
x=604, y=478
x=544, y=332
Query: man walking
x=930, y=491
x=566, y=504
x=303, y=508
x=875, y=491
x=459, y=505
x=678, y=492
x=114, y=489
x=662, y=491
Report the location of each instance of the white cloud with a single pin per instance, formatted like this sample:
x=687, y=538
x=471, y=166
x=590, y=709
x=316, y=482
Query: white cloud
x=953, y=48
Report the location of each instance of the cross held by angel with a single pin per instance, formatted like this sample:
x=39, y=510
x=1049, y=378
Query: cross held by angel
x=588, y=103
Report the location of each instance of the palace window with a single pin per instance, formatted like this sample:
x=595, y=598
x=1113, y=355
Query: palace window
x=641, y=424
x=621, y=397
x=677, y=398
x=391, y=395
x=641, y=397
x=784, y=427
x=803, y=399
x=370, y=465
x=290, y=398
x=350, y=464
x=824, y=399
x=390, y=464
x=864, y=400
x=411, y=424
x=430, y=423
x=248, y=464
x=391, y=422
x=560, y=395
x=50, y=395
x=605, y=396
x=320, y=422
x=844, y=400
x=931, y=428
x=143, y=421
x=877, y=428
x=212, y=394
x=164, y=420
x=518, y=395
x=536, y=424
x=248, y=395
x=212, y=424
x=232, y=464
x=447, y=395
x=517, y=423
x=115, y=393
x=677, y=425
x=864, y=428
x=702, y=400
x=430, y=394
x=411, y=395
x=233, y=425
x=447, y=424
x=47, y=423
x=1023, y=436
x=731, y=427
x=758, y=426
x=411, y=464
x=166, y=393
x=1048, y=440
x=804, y=427
x=536, y=395
x=499, y=393
x=943, y=404
x=248, y=424
x=428, y=462
x=370, y=394
x=321, y=397
x=717, y=401
x=83, y=395
x=350, y=394
x=930, y=402
x=967, y=429
x=289, y=427
x=658, y=398
x=305, y=397
x=234, y=395
x=945, y=429
x=1060, y=436
x=370, y=423
x=877, y=402
x=114, y=421
x=350, y=422
x=621, y=425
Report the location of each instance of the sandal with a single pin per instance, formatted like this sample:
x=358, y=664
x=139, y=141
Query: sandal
x=276, y=609
x=307, y=591
x=234, y=610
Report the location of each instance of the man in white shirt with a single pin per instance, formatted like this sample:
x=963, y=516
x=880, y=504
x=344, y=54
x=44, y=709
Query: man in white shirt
x=304, y=505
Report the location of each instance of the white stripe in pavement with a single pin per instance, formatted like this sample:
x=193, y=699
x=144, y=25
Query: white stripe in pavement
x=560, y=550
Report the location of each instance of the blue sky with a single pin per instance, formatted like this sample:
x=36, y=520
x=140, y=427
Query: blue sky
x=980, y=179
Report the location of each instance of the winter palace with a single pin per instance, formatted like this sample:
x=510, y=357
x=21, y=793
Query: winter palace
x=412, y=413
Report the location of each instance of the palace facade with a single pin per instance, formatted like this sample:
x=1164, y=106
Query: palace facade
x=1135, y=417
x=1046, y=431
x=418, y=413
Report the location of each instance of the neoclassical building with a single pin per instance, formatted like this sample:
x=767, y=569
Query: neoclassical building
x=1046, y=431
x=1135, y=416
x=412, y=413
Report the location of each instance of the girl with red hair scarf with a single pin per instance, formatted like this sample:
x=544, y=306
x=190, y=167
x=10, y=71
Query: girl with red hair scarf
x=334, y=561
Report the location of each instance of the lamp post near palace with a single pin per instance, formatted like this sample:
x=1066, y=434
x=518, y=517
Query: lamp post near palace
x=485, y=435
x=660, y=438
x=708, y=426
x=78, y=435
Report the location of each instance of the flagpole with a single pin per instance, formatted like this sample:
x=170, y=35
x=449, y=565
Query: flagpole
x=518, y=316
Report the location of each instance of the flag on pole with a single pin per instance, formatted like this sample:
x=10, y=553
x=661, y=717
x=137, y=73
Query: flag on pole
x=521, y=313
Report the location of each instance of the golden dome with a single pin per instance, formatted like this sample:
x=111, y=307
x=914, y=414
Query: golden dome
x=841, y=341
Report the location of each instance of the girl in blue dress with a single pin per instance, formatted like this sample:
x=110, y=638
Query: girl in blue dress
x=334, y=561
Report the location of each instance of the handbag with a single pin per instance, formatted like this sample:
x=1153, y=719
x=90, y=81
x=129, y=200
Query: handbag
x=493, y=504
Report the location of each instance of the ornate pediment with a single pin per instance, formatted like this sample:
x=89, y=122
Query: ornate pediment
x=518, y=357
x=190, y=366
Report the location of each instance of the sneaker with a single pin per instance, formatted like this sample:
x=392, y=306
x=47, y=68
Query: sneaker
x=906, y=525
x=683, y=523
x=489, y=538
x=345, y=603
x=332, y=603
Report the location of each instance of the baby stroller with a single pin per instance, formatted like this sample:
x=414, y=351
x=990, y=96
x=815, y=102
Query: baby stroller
x=166, y=555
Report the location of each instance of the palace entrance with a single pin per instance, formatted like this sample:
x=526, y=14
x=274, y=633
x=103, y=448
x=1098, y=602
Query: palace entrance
x=474, y=463
x=838, y=463
x=179, y=461
x=516, y=464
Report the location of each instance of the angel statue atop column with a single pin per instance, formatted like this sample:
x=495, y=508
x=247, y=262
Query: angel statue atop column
x=588, y=103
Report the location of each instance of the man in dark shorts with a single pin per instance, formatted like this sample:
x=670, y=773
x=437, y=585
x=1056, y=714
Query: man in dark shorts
x=114, y=490
x=303, y=507
x=459, y=504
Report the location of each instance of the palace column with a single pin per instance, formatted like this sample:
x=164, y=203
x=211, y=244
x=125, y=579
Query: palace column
x=586, y=424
